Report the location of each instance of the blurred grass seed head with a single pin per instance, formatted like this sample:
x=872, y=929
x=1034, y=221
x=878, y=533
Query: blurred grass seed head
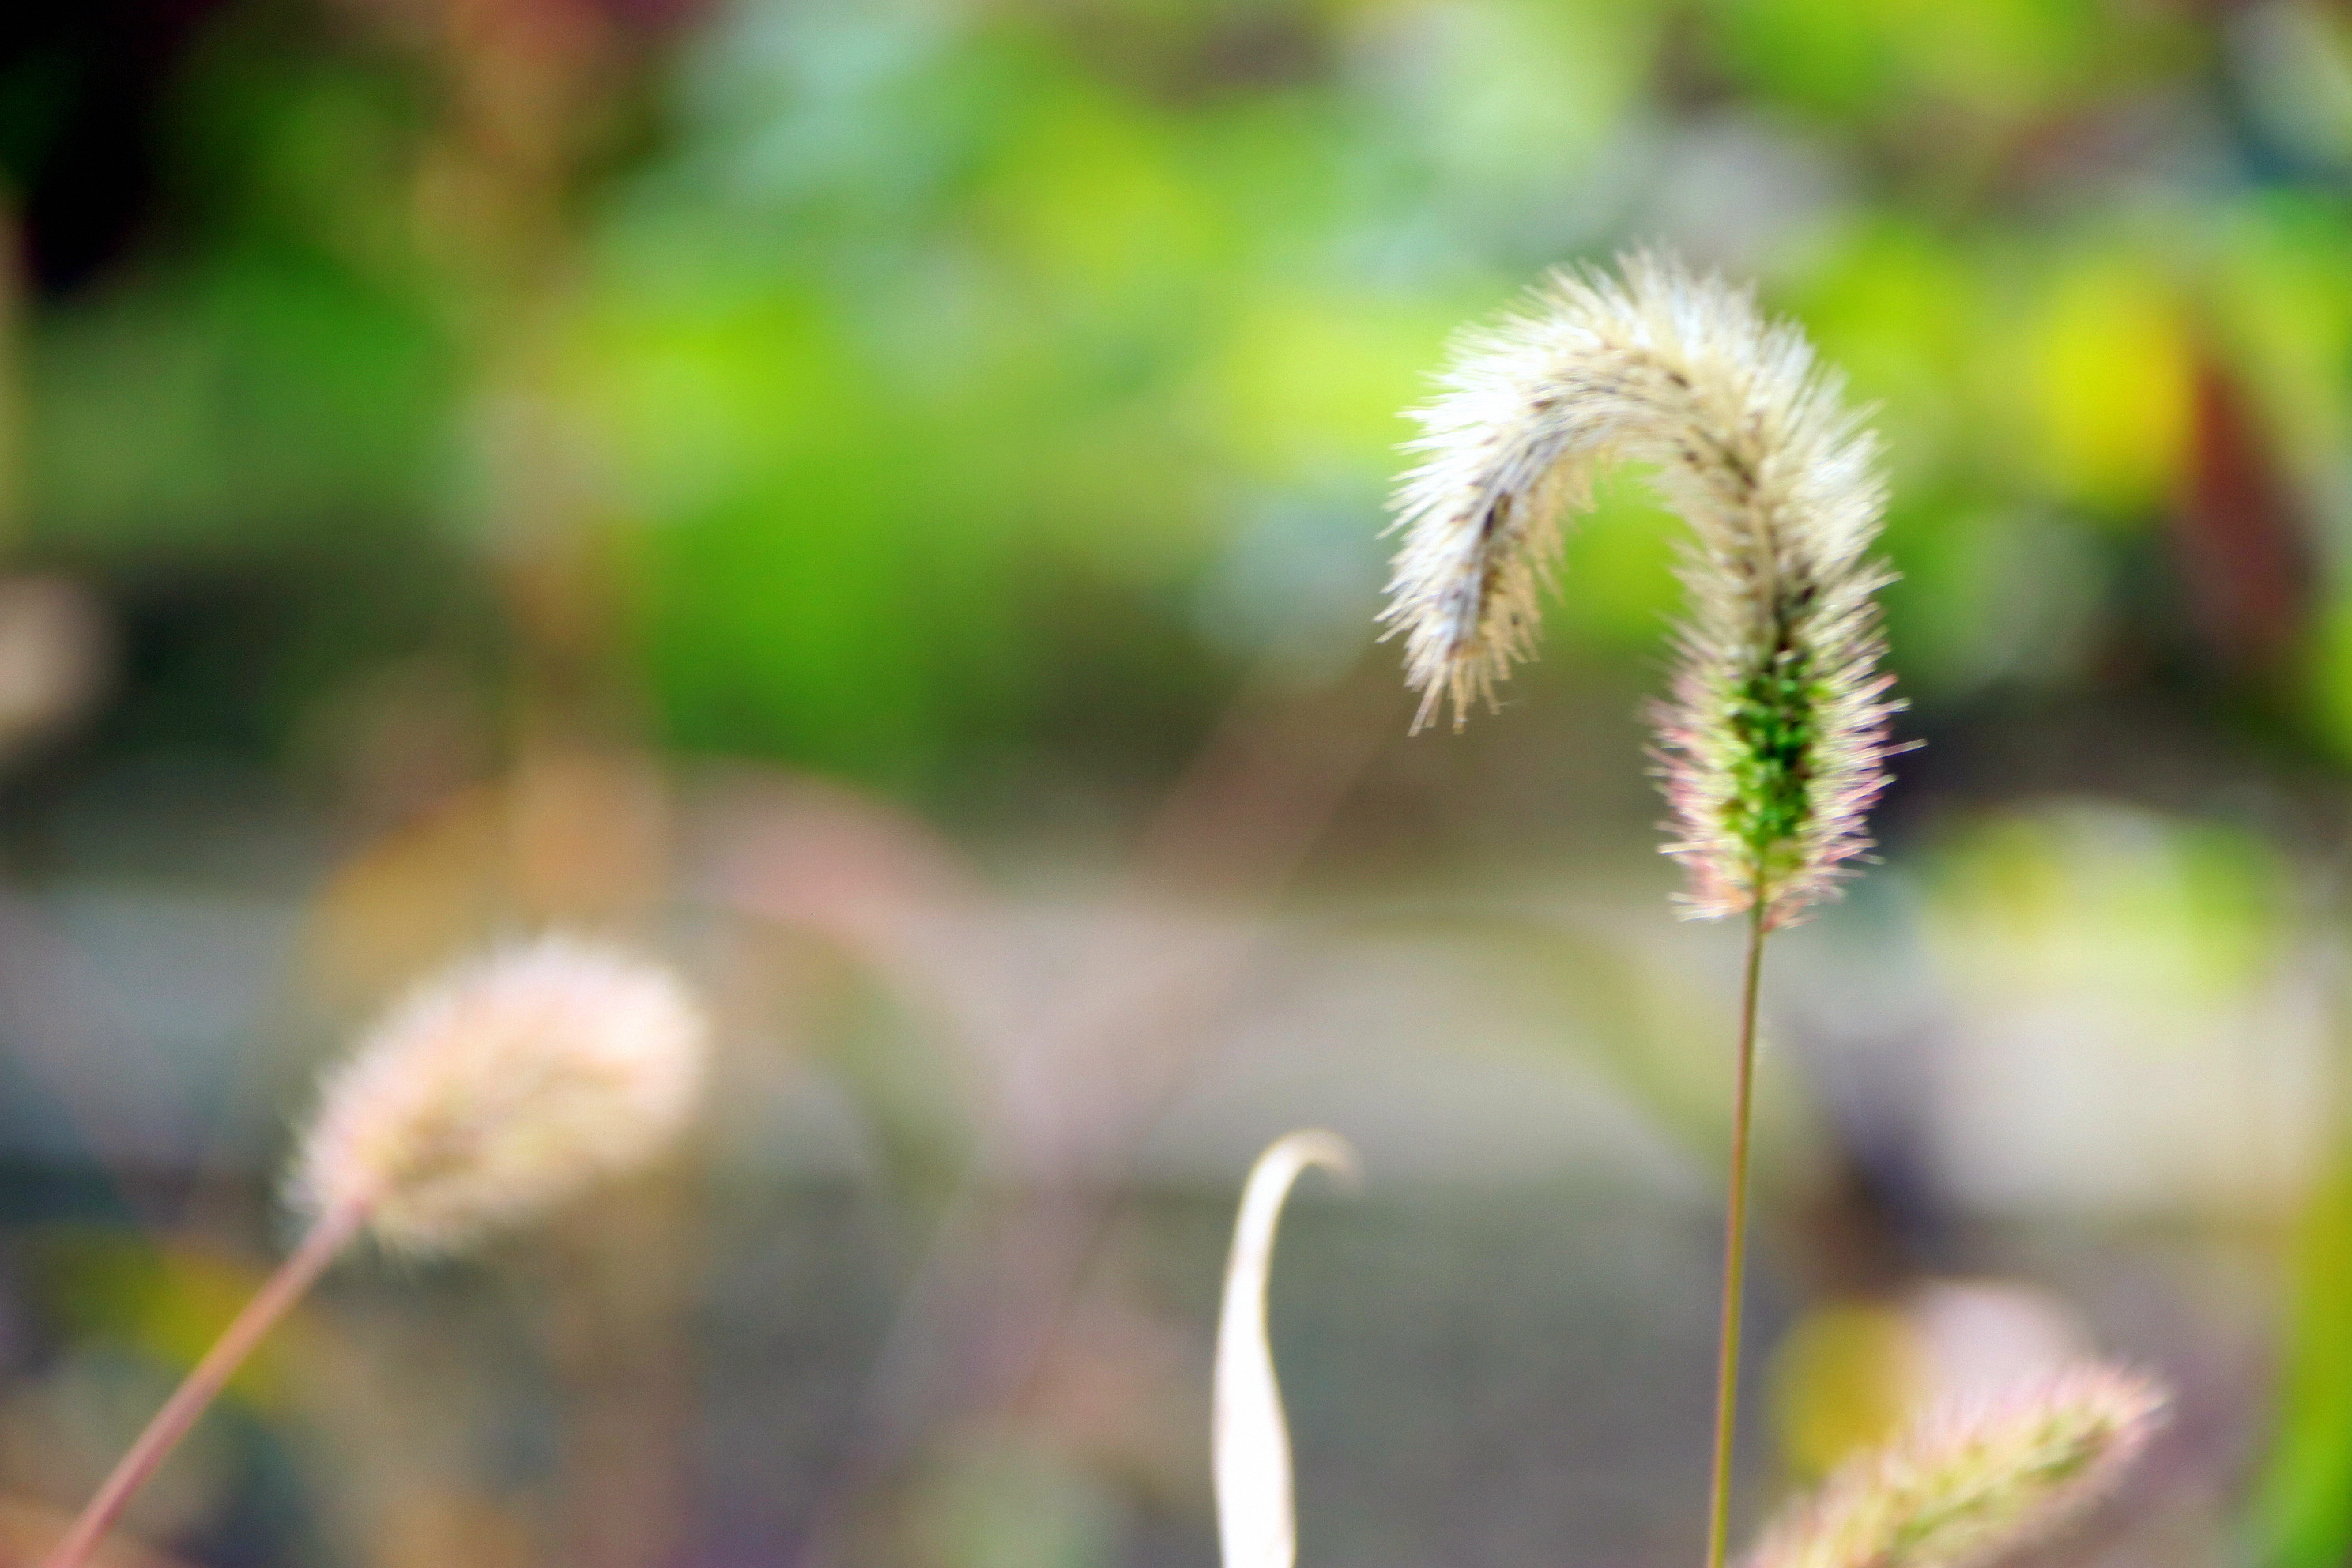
x=500, y=1089
x=1972, y=1481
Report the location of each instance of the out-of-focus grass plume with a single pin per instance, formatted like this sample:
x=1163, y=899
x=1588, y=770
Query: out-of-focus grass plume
x=500, y=1089
x=1851, y=1372
x=1968, y=1483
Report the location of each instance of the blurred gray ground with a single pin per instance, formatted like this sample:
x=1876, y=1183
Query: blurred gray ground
x=937, y=1281
x=1476, y=1374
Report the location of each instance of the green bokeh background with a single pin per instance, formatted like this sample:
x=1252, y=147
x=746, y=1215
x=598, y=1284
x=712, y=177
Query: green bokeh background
x=924, y=354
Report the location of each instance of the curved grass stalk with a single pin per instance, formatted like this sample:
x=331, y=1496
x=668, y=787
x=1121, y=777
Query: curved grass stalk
x=1249, y=1436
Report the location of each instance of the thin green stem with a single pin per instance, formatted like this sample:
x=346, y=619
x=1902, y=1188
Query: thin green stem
x=1735, y=1252
x=276, y=1296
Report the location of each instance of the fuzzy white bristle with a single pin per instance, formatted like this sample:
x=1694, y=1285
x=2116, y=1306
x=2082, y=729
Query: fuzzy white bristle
x=1777, y=732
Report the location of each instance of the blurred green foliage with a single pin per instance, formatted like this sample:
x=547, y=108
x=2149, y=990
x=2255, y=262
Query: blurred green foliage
x=924, y=354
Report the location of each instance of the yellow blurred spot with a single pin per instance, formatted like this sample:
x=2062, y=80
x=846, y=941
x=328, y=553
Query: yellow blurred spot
x=2110, y=372
x=1842, y=1380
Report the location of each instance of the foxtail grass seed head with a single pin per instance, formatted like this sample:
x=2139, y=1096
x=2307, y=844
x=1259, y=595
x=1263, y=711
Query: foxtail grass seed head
x=1973, y=1482
x=1774, y=740
x=499, y=1090
x=1249, y=1438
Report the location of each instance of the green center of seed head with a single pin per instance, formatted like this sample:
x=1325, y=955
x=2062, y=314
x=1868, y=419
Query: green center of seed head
x=1772, y=720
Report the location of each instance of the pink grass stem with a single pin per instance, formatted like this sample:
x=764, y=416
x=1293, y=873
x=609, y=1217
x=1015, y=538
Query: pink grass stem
x=271, y=1303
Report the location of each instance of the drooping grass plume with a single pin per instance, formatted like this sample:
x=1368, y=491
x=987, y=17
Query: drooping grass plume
x=1778, y=726
x=484, y=1098
x=1249, y=1438
x=1973, y=1481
